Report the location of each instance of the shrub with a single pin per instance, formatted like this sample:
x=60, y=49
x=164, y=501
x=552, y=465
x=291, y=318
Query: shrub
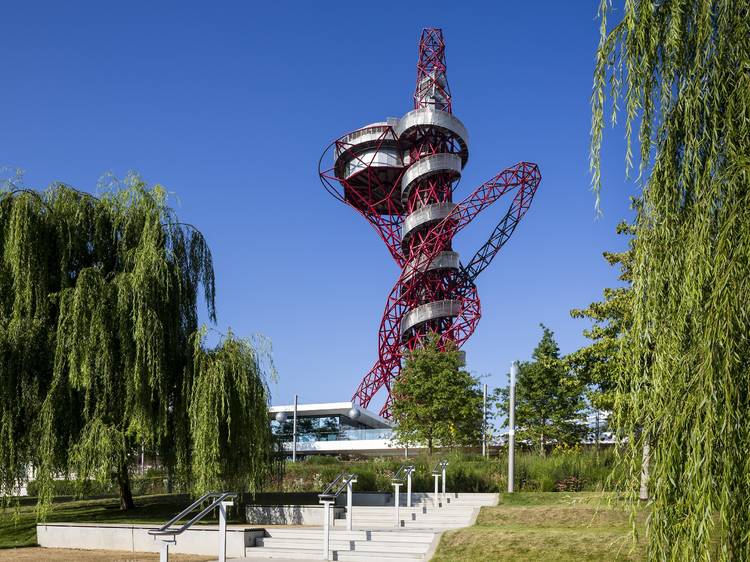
x=564, y=470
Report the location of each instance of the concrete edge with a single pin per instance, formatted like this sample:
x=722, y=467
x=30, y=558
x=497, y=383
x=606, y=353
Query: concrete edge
x=439, y=536
x=149, y=526
x=474, y=516
x=434, y=545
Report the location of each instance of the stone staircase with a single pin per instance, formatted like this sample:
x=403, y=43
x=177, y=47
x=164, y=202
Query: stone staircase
x=375, y=536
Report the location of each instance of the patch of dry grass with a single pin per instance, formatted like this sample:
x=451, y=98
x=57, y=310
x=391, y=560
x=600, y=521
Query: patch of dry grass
x=545, y=527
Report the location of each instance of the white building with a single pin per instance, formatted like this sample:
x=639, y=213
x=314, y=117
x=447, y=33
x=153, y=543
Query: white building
x=334, y=428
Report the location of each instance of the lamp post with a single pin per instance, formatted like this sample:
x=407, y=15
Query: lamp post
x=294, y=431
x=484, y=422
x=281, y=418
x=512, y=427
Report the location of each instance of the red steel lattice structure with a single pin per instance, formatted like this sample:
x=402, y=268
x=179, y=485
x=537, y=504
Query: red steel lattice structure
x=400, y=175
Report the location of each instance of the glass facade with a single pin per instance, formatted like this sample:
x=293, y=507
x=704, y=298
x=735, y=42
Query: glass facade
x=327, y=428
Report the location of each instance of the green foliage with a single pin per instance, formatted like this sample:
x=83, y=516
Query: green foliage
x=99, y=350
x=466, y=473
x=140, y=485
x=435, y=401
x=549, y=399
x=228, y=411
x=600, y=364
x=684, y=69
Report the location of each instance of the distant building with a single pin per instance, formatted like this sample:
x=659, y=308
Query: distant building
x=334, y=428
x=599, y=431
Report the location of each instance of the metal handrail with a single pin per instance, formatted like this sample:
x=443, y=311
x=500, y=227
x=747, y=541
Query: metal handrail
x=342, y=480
x=219, y=497
x=439, y=467
x=403, y=471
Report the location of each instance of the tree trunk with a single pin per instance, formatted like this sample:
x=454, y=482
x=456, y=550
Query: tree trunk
x=643, y=495
x=429, y=445
x=541, y=445
x=123, y=483
x=596, y=446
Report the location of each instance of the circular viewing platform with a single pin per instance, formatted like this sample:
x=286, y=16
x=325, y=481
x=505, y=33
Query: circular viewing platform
x=429, y=214
x=430, y=311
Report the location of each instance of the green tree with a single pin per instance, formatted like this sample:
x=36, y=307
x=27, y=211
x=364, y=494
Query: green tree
x=100, y=351
x=549, y=398
x=435, y=401
x=683, y=69
x=600, y=364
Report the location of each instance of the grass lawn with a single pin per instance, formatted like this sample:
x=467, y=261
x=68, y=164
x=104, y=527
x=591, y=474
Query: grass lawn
x=18, y=528
x=541, y=526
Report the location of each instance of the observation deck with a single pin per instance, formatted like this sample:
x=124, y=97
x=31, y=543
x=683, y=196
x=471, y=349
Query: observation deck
x=425, y=216
x=370, y=161
x=374, y=164
x=444, y=260
x=447, y=308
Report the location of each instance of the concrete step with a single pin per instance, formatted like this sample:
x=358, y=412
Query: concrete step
x=375, y=536
x=452, y=496
x=411, y=514
x=409, y=526
x=317, y=554
x=403, y=524
x=351, y=546
x=452, y=504
x=417, y=509
x=363, y=520
x=316, y=533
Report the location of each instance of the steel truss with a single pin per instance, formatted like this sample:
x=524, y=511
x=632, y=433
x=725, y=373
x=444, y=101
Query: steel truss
x=400, y=176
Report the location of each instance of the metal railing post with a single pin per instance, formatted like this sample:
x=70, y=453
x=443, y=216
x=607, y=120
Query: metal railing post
x=164, y=551
x=326, y=529
x=168, y=534
x=408, y=488
x=437, y=499
x=349, y=503
x=445, y=498
x=396, y=502
x=223, y=530
x=328, y=498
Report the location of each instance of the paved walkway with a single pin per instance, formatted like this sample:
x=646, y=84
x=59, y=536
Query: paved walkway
x=38, y=554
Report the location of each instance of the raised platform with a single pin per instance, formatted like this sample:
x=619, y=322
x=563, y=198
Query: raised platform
x=201, y=539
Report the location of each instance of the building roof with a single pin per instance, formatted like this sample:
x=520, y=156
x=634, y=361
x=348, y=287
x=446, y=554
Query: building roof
x=366, y=417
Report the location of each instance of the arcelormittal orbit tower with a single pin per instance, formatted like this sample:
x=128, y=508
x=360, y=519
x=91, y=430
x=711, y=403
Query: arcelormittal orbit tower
x=400, y=175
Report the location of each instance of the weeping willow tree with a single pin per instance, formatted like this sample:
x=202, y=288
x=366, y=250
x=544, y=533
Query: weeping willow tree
x=100, y=349
x=682, y=71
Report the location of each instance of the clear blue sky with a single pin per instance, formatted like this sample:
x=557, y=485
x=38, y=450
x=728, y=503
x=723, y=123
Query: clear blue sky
x=230, y=105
